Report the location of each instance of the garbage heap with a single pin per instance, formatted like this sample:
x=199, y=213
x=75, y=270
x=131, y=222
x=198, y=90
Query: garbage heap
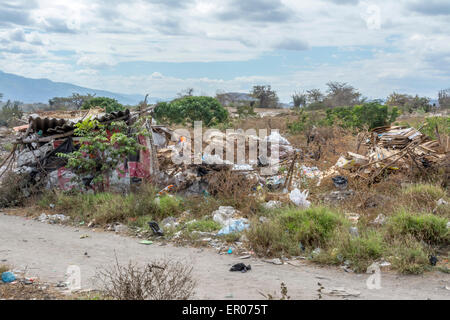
x=39, y=142
x=393, y=149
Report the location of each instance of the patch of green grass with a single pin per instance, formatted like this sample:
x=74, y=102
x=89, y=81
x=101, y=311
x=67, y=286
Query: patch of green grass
x=106, y=207
x=360, y=251
x=408, y=256
x=169, y=206
x=205, y=225
x=426, y=227
x=312, y=227
x=425, y=194
x=290, y=228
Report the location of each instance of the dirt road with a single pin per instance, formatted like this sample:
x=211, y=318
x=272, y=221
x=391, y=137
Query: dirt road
x=47, y=250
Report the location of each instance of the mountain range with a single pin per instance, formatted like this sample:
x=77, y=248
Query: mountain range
x=27, y=90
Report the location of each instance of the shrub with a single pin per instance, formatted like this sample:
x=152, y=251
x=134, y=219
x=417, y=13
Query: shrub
x=370, y=114
x=169, y=206
x=10, y=113
x=205, y=225
x=360, y=251
x=109, y=104
x=188, y=109
x=426, y=227
x=431, y=123
x=408, y=256
x=291, y=228
x=159, y=280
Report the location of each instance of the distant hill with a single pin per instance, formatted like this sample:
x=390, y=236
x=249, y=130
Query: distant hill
x=29, y=90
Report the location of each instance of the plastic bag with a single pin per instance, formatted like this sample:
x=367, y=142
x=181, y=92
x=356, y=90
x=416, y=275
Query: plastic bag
x=300, y=198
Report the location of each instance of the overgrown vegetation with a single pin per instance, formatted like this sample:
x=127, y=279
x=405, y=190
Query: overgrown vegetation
x=109, y=104
x=371, y=115
x=188, y=109
x=10, y=113
x=101, y=150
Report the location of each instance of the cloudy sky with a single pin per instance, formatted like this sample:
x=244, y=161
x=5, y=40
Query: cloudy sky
x=164, y=46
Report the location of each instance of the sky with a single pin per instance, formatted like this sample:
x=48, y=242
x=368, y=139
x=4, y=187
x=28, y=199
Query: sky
x=162, y=47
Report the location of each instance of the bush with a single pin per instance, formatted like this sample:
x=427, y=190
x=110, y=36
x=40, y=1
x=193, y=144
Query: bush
x=169, y=206
x=408, y=256
x=10, y=113
x=291, y=228
x=442, y=123
x=370, y=114
x=158, y=280
x=205, y=225
x=188, y=109
x=109, y=104
x=426, y=227
x=360, y=251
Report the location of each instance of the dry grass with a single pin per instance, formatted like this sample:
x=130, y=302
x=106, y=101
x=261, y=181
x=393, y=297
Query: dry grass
x=159, y=280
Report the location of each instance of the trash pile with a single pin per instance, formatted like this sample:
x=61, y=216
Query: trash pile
x=392, y=149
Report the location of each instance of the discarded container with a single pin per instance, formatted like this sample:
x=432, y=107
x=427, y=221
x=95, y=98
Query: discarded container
x=300, y=198
x=146, y=242
x=241, y=267
x=8, y=277
x=155, y=228
x=340, y=182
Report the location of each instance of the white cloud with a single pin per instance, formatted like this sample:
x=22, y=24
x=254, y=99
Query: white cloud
x=80, y=39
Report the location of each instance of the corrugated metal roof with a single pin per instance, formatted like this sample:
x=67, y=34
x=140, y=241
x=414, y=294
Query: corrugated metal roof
x=51, y=126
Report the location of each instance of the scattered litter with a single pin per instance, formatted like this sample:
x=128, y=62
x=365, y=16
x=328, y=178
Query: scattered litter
x=170, y=222
x=341, y=292
x=316, y=252
x=241, y=267
x=230, y=251
x=340, y=182
x=441, y=202
x=155, y=228
x=273, y=204
x=84, y=236
x=433, y=260
x=52, y=218
x=300, y=198
x=353, y=217
x=274, y=261
x=245, y=257
x=8, y=277
x=227, y=217
x=146, y=242
x=336, y=196
x=380, y=219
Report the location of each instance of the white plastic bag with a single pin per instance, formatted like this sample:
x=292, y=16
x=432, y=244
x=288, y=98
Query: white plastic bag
x=300, y=198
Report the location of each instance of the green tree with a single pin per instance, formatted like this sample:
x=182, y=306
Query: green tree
x=299, y=100
x=109, y=104
x=188, y=109
x=10, y=113
x=75, y=101
x=371, y=114
x=267, y=97
x=341, y=94
x=102, y=148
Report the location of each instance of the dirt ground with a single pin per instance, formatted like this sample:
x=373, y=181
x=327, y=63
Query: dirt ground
x=46, y=251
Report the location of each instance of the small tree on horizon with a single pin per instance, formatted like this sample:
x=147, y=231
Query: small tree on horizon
x=267, y=97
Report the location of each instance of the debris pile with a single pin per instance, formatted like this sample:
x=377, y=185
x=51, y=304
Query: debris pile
x=392, y=149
